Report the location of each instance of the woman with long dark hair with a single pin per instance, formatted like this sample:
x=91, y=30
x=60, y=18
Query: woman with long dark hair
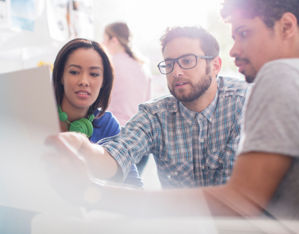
x=83, y=78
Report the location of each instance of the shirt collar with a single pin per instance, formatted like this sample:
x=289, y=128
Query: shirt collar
x=208, y=112
x=189, y=115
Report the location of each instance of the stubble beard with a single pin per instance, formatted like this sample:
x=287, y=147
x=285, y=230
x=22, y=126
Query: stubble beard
x=197, y=90
x=249, y=79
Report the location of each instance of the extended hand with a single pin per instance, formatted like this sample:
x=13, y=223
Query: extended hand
x=66, y=166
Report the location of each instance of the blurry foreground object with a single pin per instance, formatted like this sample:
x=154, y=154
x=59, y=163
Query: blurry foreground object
x=28, y=116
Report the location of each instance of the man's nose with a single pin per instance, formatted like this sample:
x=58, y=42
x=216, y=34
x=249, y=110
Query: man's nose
x=235, y=50
x=177, y=70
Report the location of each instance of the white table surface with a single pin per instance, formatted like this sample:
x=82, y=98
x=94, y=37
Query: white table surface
x=100, y=222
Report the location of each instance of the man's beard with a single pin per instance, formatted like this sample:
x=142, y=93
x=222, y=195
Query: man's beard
x=198, y=89
x=249, y=79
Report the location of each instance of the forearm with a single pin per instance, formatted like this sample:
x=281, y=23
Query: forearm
x=99, y=162
x=255, y=178
x=76, y=147
x=225, y=200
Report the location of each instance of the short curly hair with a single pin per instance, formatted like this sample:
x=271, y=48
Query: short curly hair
x=268, y=10
x=208, y=42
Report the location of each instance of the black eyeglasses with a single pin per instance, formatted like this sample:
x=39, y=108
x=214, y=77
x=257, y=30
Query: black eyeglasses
x=186, y=61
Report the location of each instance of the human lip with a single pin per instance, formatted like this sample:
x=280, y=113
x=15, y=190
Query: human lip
x=241, y=63
x=82, y=93
x=180, y=83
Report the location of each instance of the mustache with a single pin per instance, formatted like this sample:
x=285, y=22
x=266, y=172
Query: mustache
x=241, y=60
x=179, y=79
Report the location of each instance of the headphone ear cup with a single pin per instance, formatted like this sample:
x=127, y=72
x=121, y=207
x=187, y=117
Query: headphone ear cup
x=82, y=125
x=89, y=127
x=62, y=115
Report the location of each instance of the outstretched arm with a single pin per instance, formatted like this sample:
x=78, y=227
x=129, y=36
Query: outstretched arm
x=255, y=178
x=72, y=146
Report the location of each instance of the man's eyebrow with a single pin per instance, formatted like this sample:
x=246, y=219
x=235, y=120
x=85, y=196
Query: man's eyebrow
x=176, y=57
x=238, y=29
x=166, y=59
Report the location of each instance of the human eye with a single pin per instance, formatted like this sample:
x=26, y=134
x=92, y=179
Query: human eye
x=243, y=34
x=95, y=74
x=73, y=72
x=168, y=63
x=187, y=61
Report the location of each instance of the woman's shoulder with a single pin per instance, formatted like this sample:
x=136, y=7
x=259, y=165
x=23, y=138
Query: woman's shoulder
x=105, y=126
x=105, y=119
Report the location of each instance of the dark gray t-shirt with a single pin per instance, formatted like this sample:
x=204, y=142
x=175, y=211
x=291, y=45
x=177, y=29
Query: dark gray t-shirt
x=272, y=125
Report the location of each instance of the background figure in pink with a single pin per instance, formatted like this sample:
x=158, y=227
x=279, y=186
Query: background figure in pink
x=131, y=85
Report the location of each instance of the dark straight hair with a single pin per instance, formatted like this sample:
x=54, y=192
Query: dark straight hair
x=102, y=100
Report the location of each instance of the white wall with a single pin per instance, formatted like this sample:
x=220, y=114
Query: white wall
x=21, y=49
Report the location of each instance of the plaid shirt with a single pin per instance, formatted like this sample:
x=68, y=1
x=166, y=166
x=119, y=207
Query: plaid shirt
x=190, y=148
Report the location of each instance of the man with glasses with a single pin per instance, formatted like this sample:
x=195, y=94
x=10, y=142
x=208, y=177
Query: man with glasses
x=193, y=133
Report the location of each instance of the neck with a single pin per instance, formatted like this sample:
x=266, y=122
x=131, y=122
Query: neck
x=117, y=49
x=73, y=113
x=63, y=126
x=294, y=48
x=203, y=101
x=289, y=49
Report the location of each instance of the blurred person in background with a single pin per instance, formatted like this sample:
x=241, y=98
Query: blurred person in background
x=132, y=85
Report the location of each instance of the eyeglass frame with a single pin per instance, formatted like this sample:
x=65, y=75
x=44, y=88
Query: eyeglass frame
x=176, y=60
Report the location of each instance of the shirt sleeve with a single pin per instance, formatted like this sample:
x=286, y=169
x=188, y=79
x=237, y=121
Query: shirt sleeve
x=234, y=138
x=272, y=112
x=105, y=126
x=133, y=141
x=134, y=177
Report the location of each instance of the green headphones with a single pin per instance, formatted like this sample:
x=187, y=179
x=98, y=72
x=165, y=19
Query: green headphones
x=83, y=125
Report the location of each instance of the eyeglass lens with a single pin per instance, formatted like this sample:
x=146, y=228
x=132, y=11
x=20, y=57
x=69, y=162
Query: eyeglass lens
x=185, y=62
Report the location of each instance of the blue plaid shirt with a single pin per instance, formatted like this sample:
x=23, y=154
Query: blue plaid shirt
x=190, y=148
